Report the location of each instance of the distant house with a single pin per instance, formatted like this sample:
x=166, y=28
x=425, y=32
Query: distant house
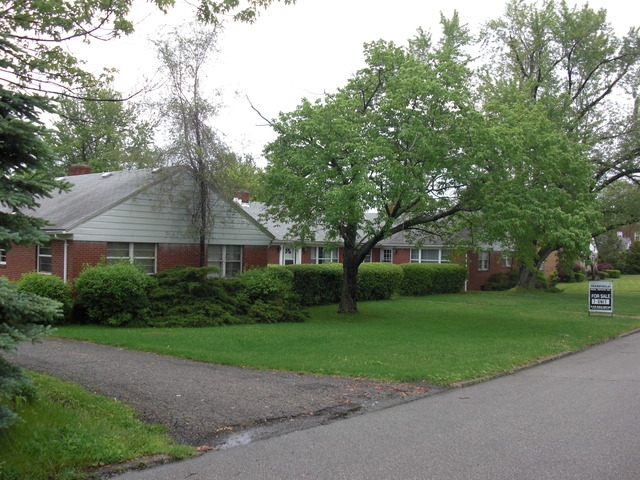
x=137, y=215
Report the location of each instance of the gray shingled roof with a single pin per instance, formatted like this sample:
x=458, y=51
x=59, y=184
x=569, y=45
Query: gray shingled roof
x=257, y=209
x=90, y=195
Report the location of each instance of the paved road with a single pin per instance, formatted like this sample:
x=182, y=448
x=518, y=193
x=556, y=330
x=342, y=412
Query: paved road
x=574, y=418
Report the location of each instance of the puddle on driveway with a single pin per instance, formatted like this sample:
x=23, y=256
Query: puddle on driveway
x=237, y=440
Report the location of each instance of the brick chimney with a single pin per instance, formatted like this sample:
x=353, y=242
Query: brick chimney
x=79, y=169
x=244, y=196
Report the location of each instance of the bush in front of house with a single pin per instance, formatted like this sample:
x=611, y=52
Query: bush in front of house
x=612, y=273
x=317, y=284
x=48, y=286
x=378, y=281
x=499, y=282
x=431, y=278
x=193, y=297
x=270, y=296
x=113, y=294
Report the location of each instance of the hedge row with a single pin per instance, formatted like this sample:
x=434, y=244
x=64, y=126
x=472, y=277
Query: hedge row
x=429, y=279
x=322, y=284
x=123, y=294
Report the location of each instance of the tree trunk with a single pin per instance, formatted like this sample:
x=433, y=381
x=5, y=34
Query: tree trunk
x=202, y=228
x=349, y=285
x=526, y=277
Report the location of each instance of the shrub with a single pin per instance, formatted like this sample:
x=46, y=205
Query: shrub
x=113, y=294
x=580, y=277
x=428, y=279
x=499, y=282
x=270, y=296
x=612, y=273
x=378, y=281
x=48, y=286
x=266, y=283
x=191, y=297
x=317, y=284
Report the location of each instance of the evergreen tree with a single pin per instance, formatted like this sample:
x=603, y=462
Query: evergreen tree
x=26, y=161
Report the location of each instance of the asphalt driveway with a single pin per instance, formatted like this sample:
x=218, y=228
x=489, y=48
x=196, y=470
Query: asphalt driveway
x=212, y=405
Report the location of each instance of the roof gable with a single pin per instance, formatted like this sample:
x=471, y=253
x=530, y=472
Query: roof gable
x=90, y=195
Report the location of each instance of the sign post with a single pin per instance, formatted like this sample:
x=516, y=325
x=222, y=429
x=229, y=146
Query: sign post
x=601, y=297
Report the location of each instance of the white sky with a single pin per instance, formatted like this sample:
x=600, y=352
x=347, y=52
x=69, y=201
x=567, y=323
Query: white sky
x=298, y=51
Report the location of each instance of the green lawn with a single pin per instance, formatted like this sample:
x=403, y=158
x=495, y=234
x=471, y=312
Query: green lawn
x=69, y=431
x=440, y=339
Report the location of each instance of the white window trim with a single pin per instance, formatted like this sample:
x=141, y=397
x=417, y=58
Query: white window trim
x=382, y=251
x=484, y=257
x=40, y=255
x=132, y=258
x=506, y=261
x=223, y=266
x=333, y=255
x=441, y=258
x=3, y=256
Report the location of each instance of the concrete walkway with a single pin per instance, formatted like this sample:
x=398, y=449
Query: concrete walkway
x=574, y=418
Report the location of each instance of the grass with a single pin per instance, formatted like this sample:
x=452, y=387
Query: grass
x=440, y=339
x=69, y=431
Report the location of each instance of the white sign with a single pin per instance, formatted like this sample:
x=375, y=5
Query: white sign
x=601, y=297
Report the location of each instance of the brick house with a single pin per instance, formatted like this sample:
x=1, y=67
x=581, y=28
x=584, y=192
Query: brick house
x=139, y=216
x=143, y=216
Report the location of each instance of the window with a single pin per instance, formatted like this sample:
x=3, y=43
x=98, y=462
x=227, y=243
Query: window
x=143, y=254
x=228, y=258
x=324, y=255
x=430, y=255
x=45, y=258
x=3, y=256
x=387, y=255
x=483, y=261
x=506, y=260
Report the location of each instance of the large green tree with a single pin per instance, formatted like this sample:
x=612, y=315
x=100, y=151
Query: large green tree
x=569, y=62
x=538, y=197
x=395, y=142
x=102, y=131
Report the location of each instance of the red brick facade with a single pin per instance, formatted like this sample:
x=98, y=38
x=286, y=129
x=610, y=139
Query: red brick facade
x=478, y=278
x=254, y=256
x=79, y=254
x=19, y=260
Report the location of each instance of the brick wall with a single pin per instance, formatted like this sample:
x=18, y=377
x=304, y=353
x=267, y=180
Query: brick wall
x=273, y=255
x=254, y=257
x=401, y=255
x=80, y=254
x=171, y=255
x=19, y=260
x=478, y=278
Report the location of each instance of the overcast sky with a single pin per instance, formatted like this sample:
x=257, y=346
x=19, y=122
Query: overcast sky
x=298, y=51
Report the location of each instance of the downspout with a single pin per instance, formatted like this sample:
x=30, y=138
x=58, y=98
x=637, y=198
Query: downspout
x=64, y=261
